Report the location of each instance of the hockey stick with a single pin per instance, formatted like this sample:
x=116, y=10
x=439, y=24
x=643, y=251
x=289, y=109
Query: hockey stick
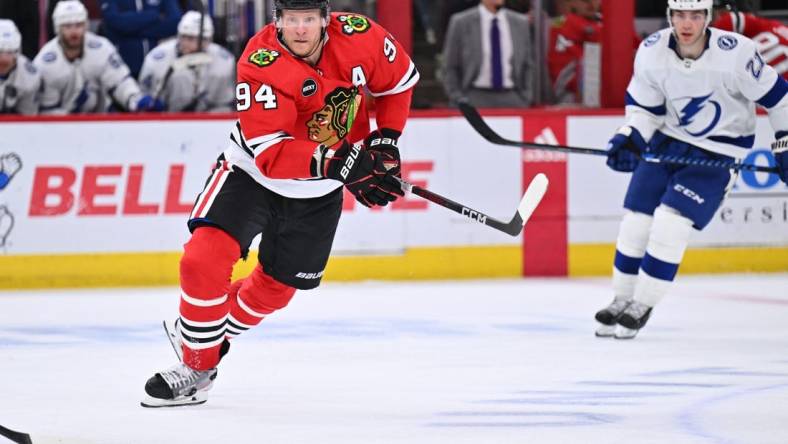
x=533, y=195
x=473, y=117
x=17, y=437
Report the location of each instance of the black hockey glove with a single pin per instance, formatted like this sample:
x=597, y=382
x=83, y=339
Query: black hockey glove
x=362, y=171
x=623, y=149
x=780, y=150
x=384, y=141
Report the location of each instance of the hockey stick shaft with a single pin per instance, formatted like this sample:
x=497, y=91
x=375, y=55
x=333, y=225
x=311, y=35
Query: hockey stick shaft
x=17, y=437
x=529, y=202
x=473, y=117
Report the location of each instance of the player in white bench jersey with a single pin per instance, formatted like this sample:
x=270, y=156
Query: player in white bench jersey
x=189, y=75
x=83, y=72
x=20, y=81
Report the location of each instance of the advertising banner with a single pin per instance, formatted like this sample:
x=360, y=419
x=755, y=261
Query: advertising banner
x=128, y=186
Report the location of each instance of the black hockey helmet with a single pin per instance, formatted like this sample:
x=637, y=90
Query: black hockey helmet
x=300, y=4
x=725, y=4
x=322, y=5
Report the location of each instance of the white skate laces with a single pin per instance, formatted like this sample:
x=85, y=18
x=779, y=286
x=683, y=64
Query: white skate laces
x=185, y=381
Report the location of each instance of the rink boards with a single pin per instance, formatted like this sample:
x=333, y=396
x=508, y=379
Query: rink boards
x=102, y=202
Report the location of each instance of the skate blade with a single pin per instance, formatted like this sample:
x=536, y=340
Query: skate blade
x=154, y=403
x=625, y=333
x=605, y=331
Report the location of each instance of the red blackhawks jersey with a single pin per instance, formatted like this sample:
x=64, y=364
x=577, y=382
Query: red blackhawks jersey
x=565, y=54
x=770, y=36
x=287, y=107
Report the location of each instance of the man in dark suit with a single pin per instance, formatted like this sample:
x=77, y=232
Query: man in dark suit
x=487, y=57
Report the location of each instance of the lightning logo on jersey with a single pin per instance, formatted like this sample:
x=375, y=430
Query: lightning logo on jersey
x=697, y=117
x=709, y=101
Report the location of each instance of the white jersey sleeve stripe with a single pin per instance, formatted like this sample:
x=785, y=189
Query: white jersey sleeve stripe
x=267, y=140
x=255, y=147
x=408, y=81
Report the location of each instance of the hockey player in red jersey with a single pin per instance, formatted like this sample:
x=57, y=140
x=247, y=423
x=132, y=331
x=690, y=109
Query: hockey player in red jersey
x=565, y=55
x=770, y=36
x=568, y=35
x=300, y=111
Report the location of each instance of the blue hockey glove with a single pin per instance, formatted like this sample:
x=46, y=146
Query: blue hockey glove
x=780, y=151
x=150, y=104
x=384, y=141
x=624, y=148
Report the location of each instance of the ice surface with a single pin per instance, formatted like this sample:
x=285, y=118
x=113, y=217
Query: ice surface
x=512, y=361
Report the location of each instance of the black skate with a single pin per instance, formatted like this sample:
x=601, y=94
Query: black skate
x=608, y=316
x=632, y=320
x=180, y=385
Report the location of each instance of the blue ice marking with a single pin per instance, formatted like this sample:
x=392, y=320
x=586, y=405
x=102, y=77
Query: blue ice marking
x=481, y=419
x=690, y=418
x=573, y=397
x=652, y=384
x=719, y=371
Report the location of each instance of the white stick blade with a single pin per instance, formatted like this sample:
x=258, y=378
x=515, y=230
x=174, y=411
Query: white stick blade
x=533, y=195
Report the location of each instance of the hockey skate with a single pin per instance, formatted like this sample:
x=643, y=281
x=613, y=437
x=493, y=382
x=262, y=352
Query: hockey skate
x=608, y=316
x=180, y=385
x=632, y=320
x=177, y=386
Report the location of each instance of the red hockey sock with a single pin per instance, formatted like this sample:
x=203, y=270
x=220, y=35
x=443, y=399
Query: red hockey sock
x=259, y=295
x=206, y=267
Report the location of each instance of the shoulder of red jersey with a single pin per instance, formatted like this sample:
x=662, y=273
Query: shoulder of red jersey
x=378, y=59
x=358, y=32
x=353, y=25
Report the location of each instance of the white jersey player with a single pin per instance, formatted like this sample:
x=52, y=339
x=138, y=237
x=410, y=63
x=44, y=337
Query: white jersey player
x=83, y=72
x=693, y=94
x=190, y=75
x=20, y=81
